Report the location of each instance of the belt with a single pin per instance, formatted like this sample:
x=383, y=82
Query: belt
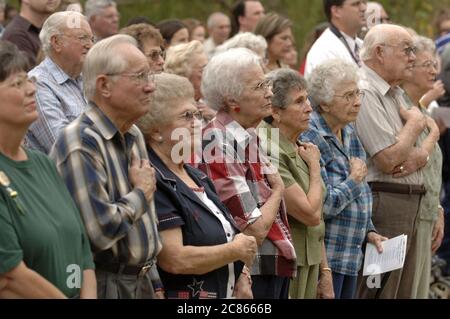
x=124, y=269
x=397, y=188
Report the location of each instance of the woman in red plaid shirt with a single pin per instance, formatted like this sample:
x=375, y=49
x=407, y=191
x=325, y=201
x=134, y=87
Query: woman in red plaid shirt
x=234, y=84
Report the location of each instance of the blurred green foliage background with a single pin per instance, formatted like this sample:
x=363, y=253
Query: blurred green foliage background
x=305, y=14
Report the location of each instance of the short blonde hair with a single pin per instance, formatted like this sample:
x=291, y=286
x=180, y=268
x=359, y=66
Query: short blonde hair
x=170, y=89
x=142, y=32
x=179, y=57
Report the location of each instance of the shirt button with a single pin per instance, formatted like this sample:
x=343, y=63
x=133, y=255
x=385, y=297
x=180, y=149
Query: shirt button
x=228, y=235
x=232, y=287
x=359, y=246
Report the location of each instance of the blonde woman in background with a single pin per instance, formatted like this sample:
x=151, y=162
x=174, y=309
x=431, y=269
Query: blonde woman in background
x=189, y=60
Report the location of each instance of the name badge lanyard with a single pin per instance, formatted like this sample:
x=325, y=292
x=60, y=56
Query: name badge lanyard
x=339, y=35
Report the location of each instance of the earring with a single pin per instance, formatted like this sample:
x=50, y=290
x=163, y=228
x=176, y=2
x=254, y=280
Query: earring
x=237, y=109
x=160, y=139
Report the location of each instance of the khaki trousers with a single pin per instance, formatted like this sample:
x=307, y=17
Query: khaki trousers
x=393, y=215
x=419, y=286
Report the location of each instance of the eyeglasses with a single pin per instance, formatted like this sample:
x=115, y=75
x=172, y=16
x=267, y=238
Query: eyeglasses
x=143, y=77
x=84, y=39
x=263, y=85
x=155, y=55
x=190, y=115
x=409, y=50
x=351, y=96
x=428, y=65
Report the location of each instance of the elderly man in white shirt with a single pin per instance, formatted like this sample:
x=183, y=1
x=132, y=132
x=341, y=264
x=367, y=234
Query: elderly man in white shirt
x=340, y=39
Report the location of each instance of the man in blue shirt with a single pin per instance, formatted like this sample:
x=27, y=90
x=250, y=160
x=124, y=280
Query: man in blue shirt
x=66, y=39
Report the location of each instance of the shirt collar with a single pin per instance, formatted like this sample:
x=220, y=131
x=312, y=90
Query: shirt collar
x=232, y=127
x=370, y=76
x=55, y=70
x=104, y=125
x=283, y=143
x=351, y=41
x=318, y=122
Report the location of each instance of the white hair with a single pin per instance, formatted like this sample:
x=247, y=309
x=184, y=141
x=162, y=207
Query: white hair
x=55, y=24
x=222, y=77
x=180, y=57
x=377, y=35
x=95, y=7
x=249, y=40
x=424, y=44
x=104, y=58
x=211, y=23
x=324, y=78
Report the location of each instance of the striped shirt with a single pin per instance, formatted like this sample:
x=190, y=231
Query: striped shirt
x=59, y=101
x=235, y=167
x=348, y=204
x=93, y=158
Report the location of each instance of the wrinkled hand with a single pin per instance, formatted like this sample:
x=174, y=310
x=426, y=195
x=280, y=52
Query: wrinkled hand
x=416, y=160
x=438, y=232
x=376, y=239
x=274, y=179
x=325, y=286
x=243, y=288
x=413, y=115
x=309, y=152
x=245, y=247
x=435, y=93
x=358, y=169
x=142, y=176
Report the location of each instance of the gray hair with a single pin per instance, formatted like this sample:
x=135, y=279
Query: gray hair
x=249, y=40
x=376, y=36
x=424, y=44
x=222, y=77
x=283, y=81
x=103, y=58
x=95, y=7
x=324, y=78
x=211, y=23
x=179, y=58
x=55, y=24
x=170, y=89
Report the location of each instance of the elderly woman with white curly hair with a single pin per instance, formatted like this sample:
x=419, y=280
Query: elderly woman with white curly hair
x=234, y=84
x=333, y=87
x=203, y=253
x=189, y=60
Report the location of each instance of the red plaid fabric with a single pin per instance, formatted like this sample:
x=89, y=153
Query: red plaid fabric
x=232, y=161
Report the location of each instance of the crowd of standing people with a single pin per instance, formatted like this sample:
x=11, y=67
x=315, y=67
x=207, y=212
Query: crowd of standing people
x=153, y=162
